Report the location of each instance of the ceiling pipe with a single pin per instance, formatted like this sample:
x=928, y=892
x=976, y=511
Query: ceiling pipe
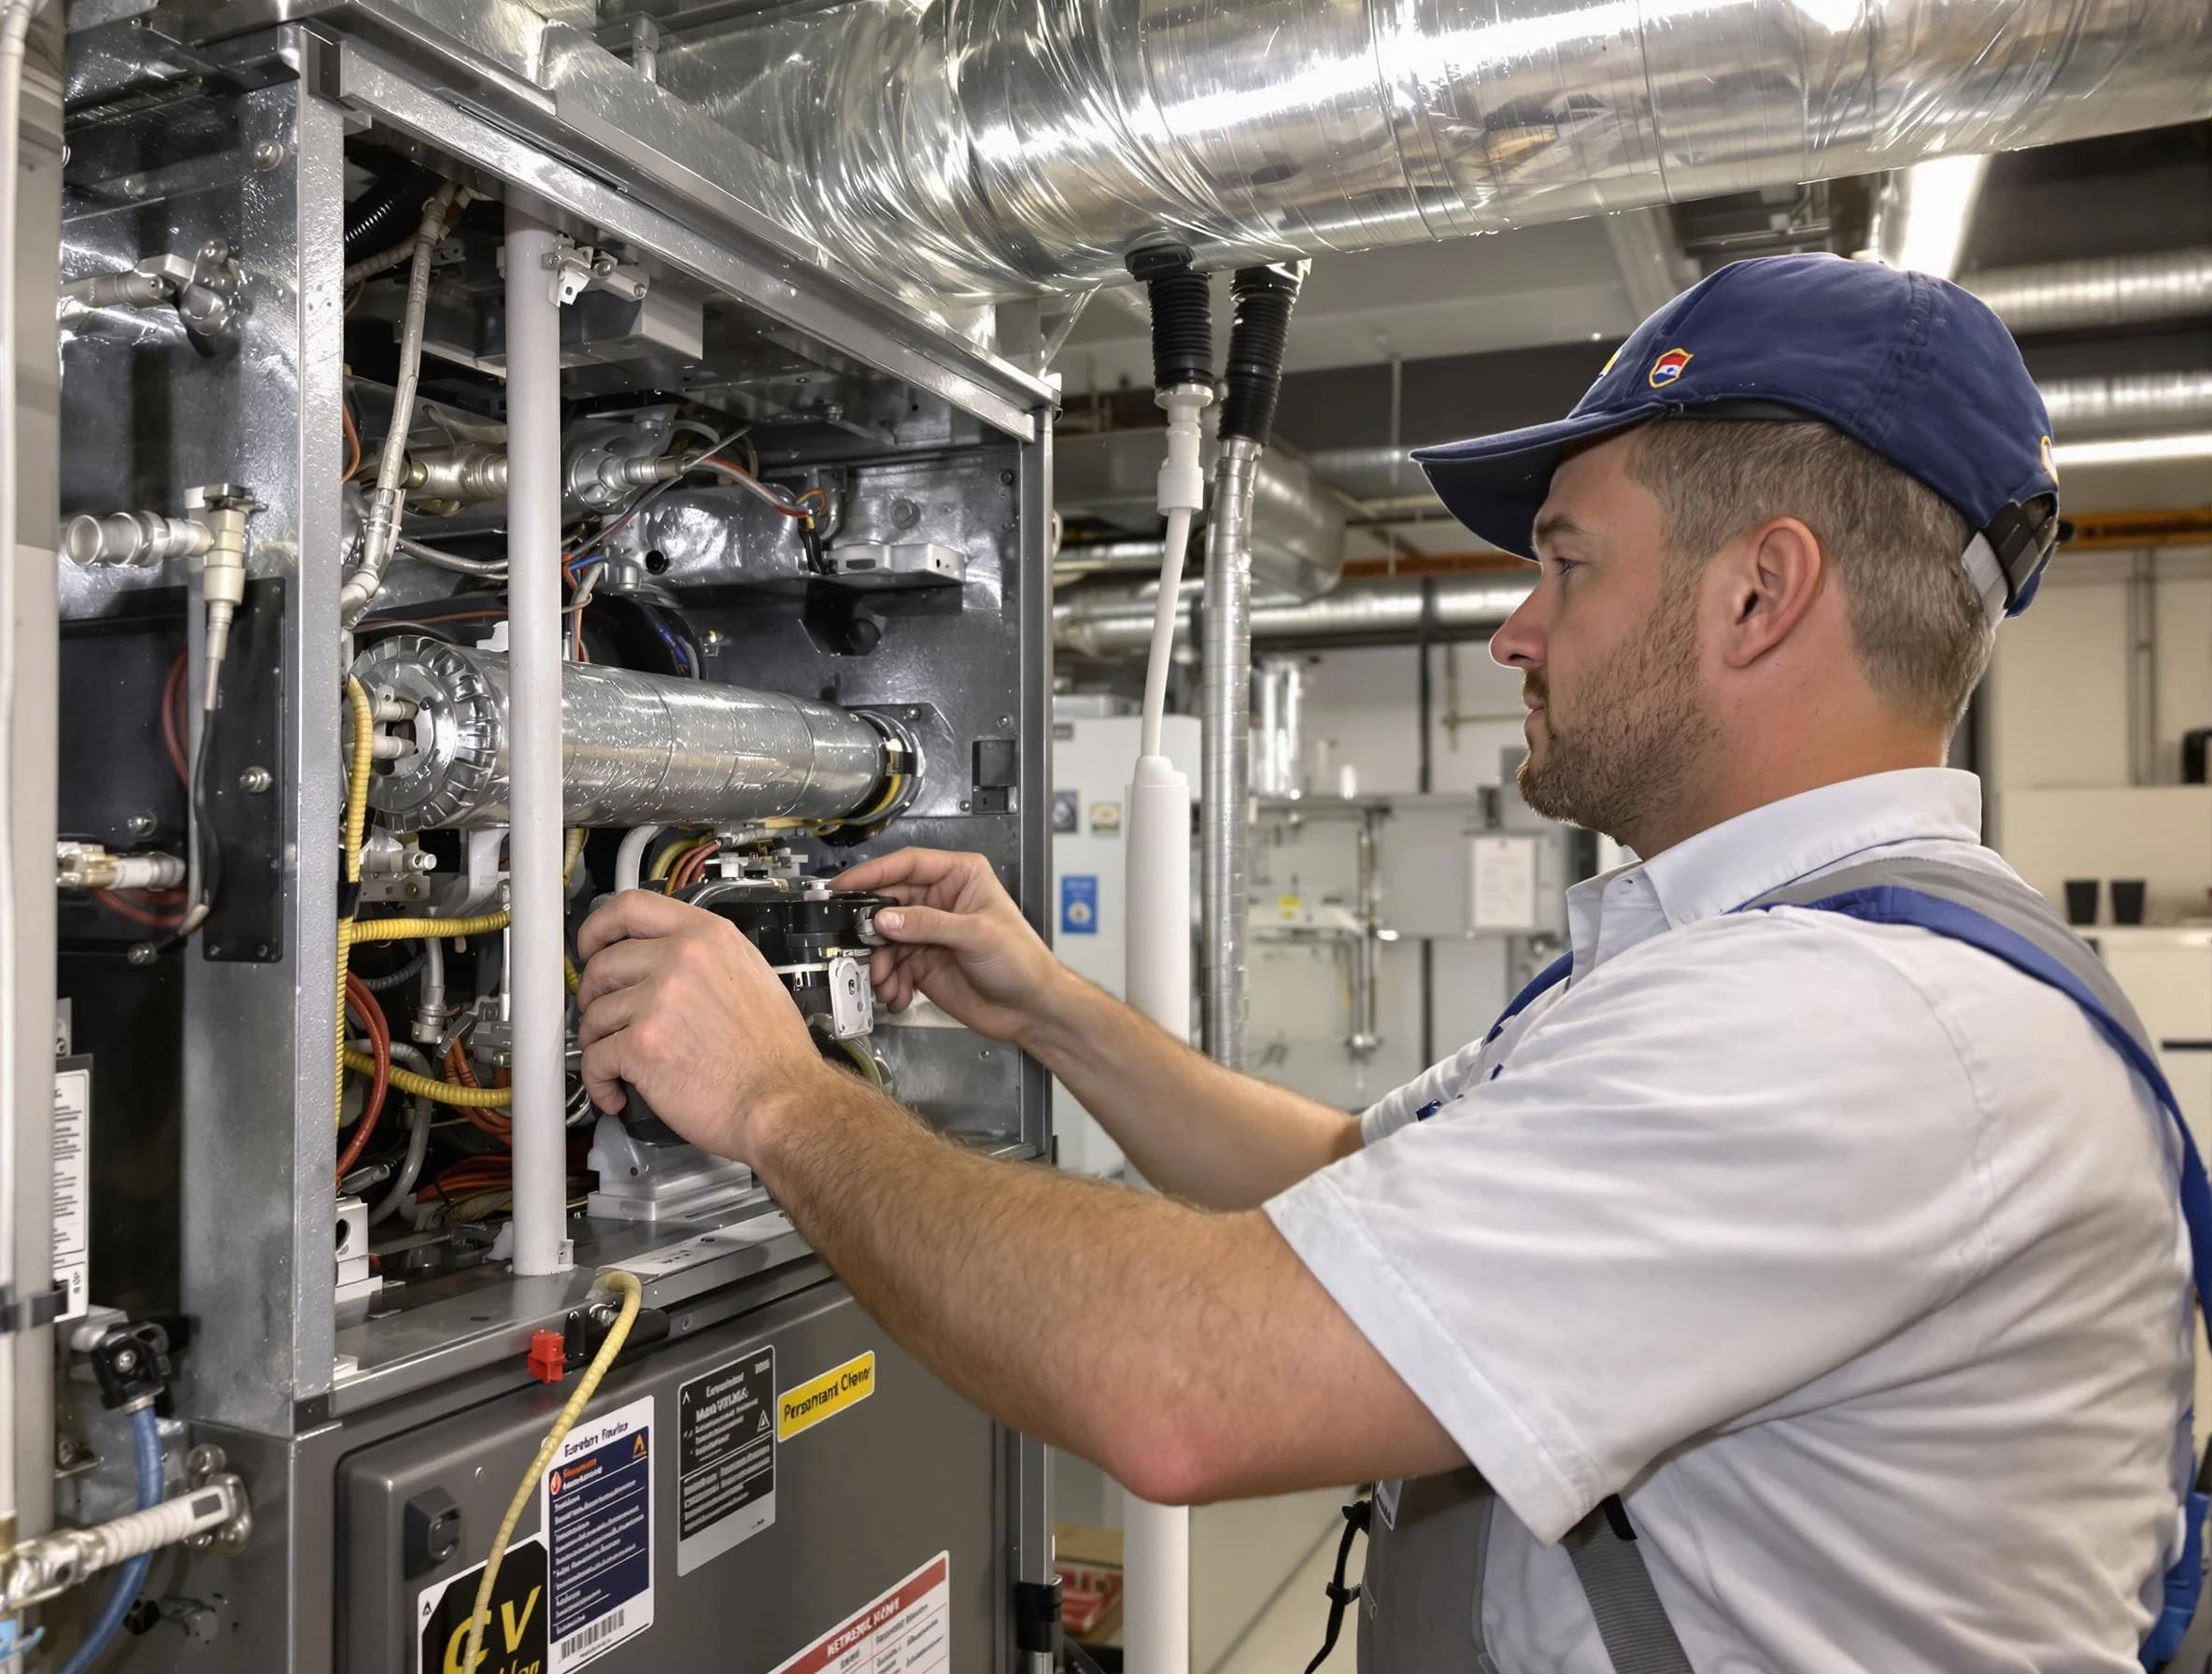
x=2082, y=409
x=1105, y=623
x=997, y=148
x=2105, y=290
x=2135, y=405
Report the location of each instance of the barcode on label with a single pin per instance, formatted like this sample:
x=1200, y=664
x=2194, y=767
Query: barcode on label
x=592, y=1633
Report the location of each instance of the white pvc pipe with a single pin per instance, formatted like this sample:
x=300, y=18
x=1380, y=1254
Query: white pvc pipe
x=534, y=661
x=17, y=957
x=1155, y=1539
x=630, y=859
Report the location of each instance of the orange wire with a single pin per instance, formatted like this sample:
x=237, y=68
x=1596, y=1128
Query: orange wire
x=364, y=1005
x=172, y=728
x=124, y=907
x=788, y=511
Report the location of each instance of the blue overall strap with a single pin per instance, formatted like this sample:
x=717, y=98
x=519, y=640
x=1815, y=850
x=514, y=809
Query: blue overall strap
x=2030, y=938
x=1550, y=977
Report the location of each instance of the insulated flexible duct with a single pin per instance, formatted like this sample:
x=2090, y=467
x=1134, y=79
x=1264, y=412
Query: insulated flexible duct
x=993, y=147
x=637, y=748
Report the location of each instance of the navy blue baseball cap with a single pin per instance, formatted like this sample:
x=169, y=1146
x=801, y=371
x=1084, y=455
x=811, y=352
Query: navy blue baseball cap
x=1908, y=366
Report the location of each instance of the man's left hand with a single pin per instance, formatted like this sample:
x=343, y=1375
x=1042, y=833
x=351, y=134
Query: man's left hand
x=677, y=1002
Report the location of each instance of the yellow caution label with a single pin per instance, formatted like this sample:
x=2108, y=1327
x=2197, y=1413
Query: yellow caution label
x=841, y=1386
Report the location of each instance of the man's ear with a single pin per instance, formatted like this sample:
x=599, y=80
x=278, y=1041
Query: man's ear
x=1769, y=578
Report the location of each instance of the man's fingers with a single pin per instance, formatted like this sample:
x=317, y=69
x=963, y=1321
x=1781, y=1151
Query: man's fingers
x=634, y=913
x=918, y=867
x=613, y=1012
x=928, y=927
x=601, y=1067
x=617, y=967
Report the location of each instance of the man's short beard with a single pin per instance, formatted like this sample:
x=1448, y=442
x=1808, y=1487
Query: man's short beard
x=1636, y=737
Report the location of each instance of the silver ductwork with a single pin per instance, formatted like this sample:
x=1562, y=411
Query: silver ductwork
x=1106, y=623
x=636, y=749
x=995, y=147
x=2107, y=290
x=2129, y=405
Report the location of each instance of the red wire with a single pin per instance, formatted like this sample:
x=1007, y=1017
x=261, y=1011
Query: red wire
x=352, y=439
x=487, y=1120
x=365, y=1007
x=173, y=719
x=124, y=907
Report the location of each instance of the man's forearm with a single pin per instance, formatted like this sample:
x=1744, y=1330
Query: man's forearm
x=1190, y=1355
x=1192, y=1129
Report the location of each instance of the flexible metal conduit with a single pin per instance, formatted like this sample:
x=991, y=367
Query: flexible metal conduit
x=1107, y=624
x=2143, y=403
x=1226, y=750
x=634, y=749
x=992, y=147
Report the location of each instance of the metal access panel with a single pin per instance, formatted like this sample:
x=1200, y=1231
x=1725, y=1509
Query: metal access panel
x=875, y=1491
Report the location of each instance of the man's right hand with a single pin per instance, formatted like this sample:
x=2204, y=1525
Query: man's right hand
x=957, y=937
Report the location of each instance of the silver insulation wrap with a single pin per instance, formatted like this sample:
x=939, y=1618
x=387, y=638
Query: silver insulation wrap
x=992, y=147
x=636, y=749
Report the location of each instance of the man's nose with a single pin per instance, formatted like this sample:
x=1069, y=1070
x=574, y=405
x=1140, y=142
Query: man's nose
x=1520, y=643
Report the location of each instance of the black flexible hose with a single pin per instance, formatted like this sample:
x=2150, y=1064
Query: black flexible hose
x=387, y=212
x=1259, y=330
x=1182, y=315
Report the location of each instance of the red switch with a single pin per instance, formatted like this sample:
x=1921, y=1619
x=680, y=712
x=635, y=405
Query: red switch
x=548, y=1357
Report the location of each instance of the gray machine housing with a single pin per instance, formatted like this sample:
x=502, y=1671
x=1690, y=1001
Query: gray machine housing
x=213, y=1198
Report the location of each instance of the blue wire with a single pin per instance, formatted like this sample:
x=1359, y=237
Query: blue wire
x=148, y=1436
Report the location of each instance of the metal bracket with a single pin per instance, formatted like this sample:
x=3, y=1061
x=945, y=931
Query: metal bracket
x=1036, y=1617
x=578, y=267
x=28, y=1313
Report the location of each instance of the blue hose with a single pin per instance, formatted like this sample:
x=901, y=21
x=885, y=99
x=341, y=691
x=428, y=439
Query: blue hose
x=150, y=1487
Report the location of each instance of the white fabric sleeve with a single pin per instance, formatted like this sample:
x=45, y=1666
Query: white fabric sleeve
x=1396, y=1110
x=1711, y=1172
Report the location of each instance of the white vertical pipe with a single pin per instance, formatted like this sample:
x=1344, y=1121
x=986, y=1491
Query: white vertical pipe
x=1155, y=1539
x=540, y=1135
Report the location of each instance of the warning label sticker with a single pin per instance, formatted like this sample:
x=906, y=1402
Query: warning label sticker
x=725, y=1458
x=596, y=1507
x=72, y=1127
x=906, y=1631
x=821, y=1397
x=514, y=1625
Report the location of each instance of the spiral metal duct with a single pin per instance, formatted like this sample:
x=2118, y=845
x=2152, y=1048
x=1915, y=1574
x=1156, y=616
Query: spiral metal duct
x=636, y=749
x=2107, y=290
x=992, y=147
x=1107, y=623
x=2128, y=404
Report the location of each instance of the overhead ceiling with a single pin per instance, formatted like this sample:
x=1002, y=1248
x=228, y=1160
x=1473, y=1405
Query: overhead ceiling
x=1495, y=332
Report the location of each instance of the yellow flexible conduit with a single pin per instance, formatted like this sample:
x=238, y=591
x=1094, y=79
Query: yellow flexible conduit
x=357, y=826
x=415, y=930
x=423, y=1087
x=480, y=1612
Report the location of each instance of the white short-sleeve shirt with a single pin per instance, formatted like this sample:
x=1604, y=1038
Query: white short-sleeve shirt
x=1848, y=1257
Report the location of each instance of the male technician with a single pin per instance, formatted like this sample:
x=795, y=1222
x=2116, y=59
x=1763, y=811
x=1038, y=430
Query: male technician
x=1843, y=1254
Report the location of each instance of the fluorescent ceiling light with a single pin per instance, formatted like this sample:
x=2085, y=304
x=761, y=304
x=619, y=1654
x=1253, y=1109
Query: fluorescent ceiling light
x=1935, y=201
x=2133, y=450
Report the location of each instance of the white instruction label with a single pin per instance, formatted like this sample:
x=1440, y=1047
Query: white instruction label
x=73, y=1138
x=906, y=1631
x=595, y=1506
x=707, y=1246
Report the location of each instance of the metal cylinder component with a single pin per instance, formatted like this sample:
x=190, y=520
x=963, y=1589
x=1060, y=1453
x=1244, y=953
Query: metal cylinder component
x=463, y=474
x=88, y=865
x=1258, y=128
x=132, y=540
x=1225, y=740
x=637, y=748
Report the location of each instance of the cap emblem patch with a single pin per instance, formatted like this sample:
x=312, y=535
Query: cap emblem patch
x=1667, y=368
